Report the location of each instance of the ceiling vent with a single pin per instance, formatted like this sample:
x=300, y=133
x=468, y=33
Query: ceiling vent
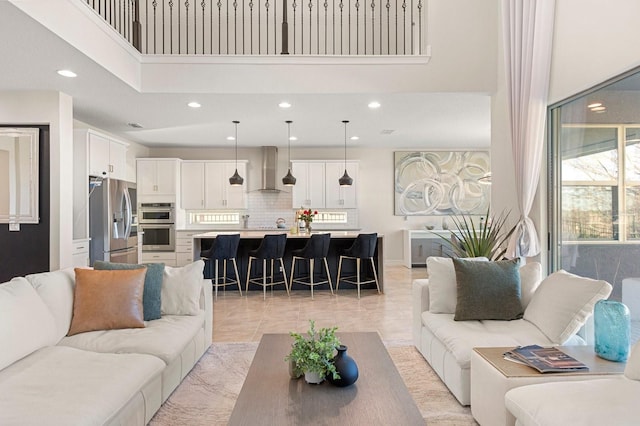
x=386, y=131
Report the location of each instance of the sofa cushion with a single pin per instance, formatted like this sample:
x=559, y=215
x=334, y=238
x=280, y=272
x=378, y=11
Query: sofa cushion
x=164, y=338
x=105, y=300
x=56, y=290
x=632, y=369
x=181, y=288
x=530, y=279
x=152, y=284
x=487, y=290
x=66, y=386
x=460, y=337
x=586, y=402
x=442, y=284
x=26, y=324
x=563, y=302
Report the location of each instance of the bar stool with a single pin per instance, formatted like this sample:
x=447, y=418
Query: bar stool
x=225, y=247
x=363, y=247
x=317, y=247
x=271, y=248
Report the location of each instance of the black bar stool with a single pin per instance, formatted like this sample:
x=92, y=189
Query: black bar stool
x=363, y=247
x=225, y=247
x=271, y=248
x=316, y=248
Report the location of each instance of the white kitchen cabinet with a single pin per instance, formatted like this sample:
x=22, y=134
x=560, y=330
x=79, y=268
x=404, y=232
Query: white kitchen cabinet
x=336, y=196
x=157, y=179
x=192, y=182
x=218, y=193
x=184, y=247
x=107, y=156
x=168, y=257
x=205, y=185
x=309, y=190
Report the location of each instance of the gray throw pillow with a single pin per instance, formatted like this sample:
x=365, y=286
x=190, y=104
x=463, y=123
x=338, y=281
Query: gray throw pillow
x=488, y=290
x=151, y=302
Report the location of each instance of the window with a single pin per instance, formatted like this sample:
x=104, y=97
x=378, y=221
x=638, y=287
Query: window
x=594, y=184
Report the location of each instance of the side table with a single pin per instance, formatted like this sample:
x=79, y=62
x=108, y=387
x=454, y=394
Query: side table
x=492, y=376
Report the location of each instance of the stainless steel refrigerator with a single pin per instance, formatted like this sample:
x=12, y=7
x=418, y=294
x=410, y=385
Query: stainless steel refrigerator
x=112, y=221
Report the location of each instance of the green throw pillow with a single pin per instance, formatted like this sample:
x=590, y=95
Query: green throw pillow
x=151, y=301
x=488, y=290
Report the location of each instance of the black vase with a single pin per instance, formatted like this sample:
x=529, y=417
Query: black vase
x=346, y=367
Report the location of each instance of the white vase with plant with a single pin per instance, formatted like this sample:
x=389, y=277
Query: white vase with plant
x=312, y=354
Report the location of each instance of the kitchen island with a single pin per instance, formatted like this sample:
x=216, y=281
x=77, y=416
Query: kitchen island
x=340, y=240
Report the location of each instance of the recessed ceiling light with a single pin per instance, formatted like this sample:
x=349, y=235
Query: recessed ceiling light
x=293, y=138
x=594, y=105
x=194, y=105
x=284, y=104
x=599, y=109
x=374, y=105
x=355, y=138
x=231, y=138
x=67, y=73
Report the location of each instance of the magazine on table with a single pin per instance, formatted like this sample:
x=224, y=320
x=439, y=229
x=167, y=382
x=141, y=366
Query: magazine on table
x=545, y=360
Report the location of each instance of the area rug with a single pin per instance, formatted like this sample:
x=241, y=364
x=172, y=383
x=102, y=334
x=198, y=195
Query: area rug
x=207, y=395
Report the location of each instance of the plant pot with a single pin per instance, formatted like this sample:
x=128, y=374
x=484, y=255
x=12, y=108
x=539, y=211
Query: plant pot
x=313, y=378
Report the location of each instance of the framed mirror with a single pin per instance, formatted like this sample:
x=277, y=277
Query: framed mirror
x=19, y=175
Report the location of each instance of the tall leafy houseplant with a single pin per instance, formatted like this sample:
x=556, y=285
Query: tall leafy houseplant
x=488, y=240
x=314, y=352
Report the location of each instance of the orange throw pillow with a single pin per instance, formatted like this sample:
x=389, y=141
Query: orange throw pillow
x=107, y=300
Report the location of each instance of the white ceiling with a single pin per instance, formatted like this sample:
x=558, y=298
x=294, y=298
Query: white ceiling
x=30, y=56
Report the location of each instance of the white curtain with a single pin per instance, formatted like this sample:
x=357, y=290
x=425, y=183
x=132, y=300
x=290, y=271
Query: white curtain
x=528, y=33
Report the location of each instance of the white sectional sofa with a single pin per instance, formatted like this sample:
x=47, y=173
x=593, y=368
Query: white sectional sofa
x=447, y=344
x=102, y=377
x=594, y=402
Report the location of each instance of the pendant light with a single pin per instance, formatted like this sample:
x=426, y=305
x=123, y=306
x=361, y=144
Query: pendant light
x=289, y=179
x=345, y=180
x=236, y=179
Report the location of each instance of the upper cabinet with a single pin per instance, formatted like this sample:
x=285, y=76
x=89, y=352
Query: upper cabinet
x=157, y=179
x=309, y=188
x=205, y=185
x=107, y=156
x=337, y=196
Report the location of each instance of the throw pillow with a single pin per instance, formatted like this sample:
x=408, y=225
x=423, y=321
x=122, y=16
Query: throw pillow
x=563, y=302
x=181, y=289
x=26, y=323
x=152, y=284
x=488, y=290
x=442, y=284
x=530, y=279
x=632, y=370
x=107, y=300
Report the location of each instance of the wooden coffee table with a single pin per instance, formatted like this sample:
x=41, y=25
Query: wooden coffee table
x=270, y=397
x=492, y=376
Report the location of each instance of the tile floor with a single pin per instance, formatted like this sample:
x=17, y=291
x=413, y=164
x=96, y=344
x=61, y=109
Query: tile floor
x=246, y=318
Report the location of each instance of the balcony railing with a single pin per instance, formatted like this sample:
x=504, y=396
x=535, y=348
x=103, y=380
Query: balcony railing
x=269, y=27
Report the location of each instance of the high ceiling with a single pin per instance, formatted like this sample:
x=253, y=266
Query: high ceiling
x=30, y=55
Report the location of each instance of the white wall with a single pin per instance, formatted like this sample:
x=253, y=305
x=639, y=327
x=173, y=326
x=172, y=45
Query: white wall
x=593, y=41
x=56, y=110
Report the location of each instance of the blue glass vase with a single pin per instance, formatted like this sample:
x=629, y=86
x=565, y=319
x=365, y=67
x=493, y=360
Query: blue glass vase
x=612, y=330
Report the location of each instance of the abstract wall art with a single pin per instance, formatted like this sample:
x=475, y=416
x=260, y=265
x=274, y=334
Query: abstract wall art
x=441, y=182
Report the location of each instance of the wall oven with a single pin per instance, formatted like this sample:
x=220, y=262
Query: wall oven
x=156, y=223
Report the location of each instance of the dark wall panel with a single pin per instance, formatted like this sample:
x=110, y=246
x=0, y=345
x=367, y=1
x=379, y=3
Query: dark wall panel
x=27, y=251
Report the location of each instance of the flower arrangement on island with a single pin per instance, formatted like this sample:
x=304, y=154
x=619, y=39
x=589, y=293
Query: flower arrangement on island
x=307, y=215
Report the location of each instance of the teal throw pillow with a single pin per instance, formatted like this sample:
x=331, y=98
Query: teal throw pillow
x=488, y=290
x=151, y=301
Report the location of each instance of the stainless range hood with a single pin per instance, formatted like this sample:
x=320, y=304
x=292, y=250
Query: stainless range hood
x=269, y=169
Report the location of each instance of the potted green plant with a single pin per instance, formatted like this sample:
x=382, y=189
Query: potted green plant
x=488, y=239
x=312, y=354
